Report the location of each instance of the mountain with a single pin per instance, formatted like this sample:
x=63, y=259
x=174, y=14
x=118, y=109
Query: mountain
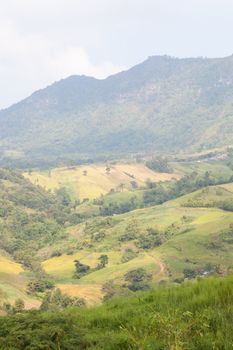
x=163, y=104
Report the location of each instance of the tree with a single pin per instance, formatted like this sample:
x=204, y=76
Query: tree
x=63, y=196
x=159, y=164
x=19, y=305
x=103, y=261
x=131, y=231
x=80, y=269
x=55, y=300
x=134, y=184
x=150, y=184
x=137, y=279
x=189, y=273
x=108, y=169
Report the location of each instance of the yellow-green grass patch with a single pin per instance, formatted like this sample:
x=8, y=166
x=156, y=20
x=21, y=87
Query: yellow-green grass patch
x=64, y=266
x=228, y=187
x=91, y=181
x=9, y=266
x=92, y=293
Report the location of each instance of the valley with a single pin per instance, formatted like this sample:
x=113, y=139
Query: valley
x=116, y=175
x=168, y=227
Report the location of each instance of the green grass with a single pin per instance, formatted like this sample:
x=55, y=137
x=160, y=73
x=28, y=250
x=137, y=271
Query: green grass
x=196, y=315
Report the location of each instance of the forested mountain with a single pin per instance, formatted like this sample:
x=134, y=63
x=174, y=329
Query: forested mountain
x=163, y=104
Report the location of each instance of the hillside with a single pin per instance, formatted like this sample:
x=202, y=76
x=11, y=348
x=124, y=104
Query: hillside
x=92, y=181
x=30, y=219
x=160, y=228
x=189, y=235
x=163, y=104
x=194, y=316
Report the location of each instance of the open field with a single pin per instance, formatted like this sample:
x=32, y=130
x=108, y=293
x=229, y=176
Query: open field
x=9, y=266
x=228, y=187
x=13, y=283
x=92, y=293
x=90, y=181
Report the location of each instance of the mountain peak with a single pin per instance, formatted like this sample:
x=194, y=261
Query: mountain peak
x=164, y=104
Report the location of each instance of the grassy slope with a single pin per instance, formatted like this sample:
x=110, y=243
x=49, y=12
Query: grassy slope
x=189, y=247
x=217, y=168
x=184, y=249
x=97, y=181
x=196, y=315
x=13, y=283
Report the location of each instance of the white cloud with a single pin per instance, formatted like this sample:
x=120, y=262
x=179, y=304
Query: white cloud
x=46, y=40
x=29, y=61
x=74, y=60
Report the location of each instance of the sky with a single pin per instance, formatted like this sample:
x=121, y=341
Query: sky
x=42, y=41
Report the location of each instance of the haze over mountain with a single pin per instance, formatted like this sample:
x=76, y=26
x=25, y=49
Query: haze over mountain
x=163, y=104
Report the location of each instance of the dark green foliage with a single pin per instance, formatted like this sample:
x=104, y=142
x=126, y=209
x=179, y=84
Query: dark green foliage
x=131, y=232
x=137, y=279
x=159, y=164
x=226, y=205
x=187, y=184
x=150, y=239
x=56, y=253
x=150, y=184
x=39, y=286
x=55, y=301
x=118, y=208
x=103, y=261
x=17, y=307
x=80, y=269
x=190, y=273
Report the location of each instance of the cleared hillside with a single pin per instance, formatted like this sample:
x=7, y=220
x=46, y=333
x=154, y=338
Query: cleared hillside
x=91, y=181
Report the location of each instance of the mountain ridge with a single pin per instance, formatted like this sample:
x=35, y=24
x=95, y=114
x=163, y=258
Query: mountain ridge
x=164, y=104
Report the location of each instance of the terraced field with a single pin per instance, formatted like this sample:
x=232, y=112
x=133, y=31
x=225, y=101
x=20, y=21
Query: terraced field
x=92, y=293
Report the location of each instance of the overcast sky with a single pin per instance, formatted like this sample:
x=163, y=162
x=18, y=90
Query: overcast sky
x=45, y=40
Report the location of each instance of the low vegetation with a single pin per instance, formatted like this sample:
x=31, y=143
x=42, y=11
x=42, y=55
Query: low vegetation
x=196, y=315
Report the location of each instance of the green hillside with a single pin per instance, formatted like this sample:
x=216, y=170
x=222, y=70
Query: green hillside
x=163, y=104
x=186, y=237
x=194, y=316
x=181, y=229
x=30, y=219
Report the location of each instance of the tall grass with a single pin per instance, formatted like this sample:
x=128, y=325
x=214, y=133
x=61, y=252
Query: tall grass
x=196, y=315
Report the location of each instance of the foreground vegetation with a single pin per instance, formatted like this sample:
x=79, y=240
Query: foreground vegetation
x=196, y=315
